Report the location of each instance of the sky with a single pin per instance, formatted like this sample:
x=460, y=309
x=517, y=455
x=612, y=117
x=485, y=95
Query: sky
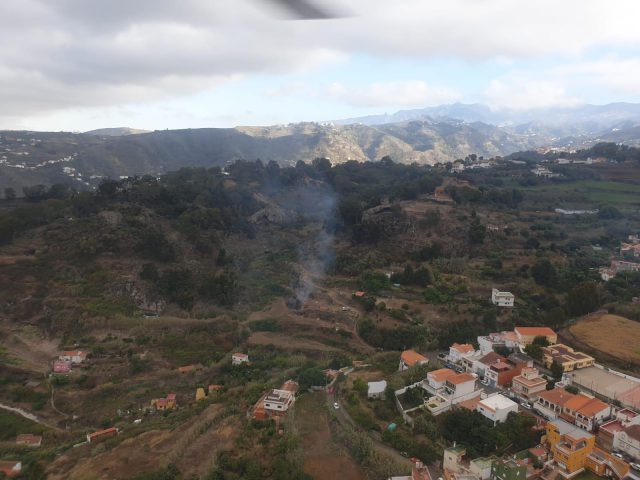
x=78, y=65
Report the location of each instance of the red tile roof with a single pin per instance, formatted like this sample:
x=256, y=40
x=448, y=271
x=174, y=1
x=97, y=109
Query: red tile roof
x=557, y=396
x=535, y=331
x=441, y=374
x=460, y=378
x=411, y=357
x=463, y=347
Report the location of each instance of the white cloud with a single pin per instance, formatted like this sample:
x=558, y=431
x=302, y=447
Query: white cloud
x=56, y=55
x=411, y=93
x=521, y=94
x=618, y=75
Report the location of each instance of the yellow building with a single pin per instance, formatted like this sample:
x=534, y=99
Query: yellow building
x=574, y=450
x=570, y=445
x=200, y=395
x=566, y=357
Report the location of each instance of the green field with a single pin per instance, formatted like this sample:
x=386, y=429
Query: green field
x=11, y=425
x=590, y=192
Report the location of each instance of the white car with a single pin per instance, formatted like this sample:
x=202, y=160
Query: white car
x=335, y=405
x=635, y=466
x=619, y=455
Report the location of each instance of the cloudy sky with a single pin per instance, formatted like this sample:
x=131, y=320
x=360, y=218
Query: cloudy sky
x=155, y=64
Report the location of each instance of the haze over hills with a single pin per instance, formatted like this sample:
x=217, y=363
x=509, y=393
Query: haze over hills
x=425, y=136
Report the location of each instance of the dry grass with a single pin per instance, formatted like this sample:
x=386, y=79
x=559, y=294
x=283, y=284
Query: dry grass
x=611, y=334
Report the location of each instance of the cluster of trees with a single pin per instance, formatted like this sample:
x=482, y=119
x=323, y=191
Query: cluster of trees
x=421, y=276
x=392, y=339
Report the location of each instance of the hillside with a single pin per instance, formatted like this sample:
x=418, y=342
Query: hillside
x=82, y=160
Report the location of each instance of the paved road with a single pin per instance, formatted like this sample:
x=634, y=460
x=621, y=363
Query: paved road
x=344, y=418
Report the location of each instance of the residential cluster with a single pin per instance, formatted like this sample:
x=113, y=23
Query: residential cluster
x=67, y=360
x=584, y=431
x=629, y=251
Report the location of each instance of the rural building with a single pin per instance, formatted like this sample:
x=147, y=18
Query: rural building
x=215, y=389
x=550, y=403
x=528, y=384
x=102, y=435
x=618, y=266
x=526, y=335
x=480, y=365
x=585, y=411
x=200, y=395
x=10, y=468
x=239, y=358
x=276, y=402
x=376, y=389
x=566, y=357
x=497, y=408
x=73, y=356
x=630, y=250
x=29, y=440
x=459, y=350
x=167, y=403
x=62, y=367
x=411, y=358
x=502, y=299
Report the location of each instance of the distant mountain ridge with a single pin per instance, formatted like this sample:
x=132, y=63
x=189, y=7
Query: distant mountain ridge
x=424, y=136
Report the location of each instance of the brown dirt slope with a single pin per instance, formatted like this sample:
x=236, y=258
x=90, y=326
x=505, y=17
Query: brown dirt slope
x=611, y=335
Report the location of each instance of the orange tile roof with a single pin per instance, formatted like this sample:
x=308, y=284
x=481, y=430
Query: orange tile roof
x=460, y=378
x=535, y=331
x=557, y=396
x=577, y=402
x=441, y=375
x=593, y=407
x=463, y=347
x=411, y=357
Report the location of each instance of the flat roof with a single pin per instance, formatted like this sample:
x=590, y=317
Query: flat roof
x=498, y=402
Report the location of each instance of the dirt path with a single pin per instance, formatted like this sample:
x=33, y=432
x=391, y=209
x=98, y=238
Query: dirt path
x=322, y=458
x=27, y=415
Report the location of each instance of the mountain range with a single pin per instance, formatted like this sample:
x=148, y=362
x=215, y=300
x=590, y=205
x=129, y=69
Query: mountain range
x=426, y=136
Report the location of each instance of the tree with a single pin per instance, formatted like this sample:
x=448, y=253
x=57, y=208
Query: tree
x=544, y=273
x=556, y=370
x=477, y=232
x=583, y=299
x=361, y=387
x=9, y=193
x=541, y=340
x=534, y=351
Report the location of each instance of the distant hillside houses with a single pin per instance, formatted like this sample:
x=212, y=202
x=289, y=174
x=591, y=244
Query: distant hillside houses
x=616, y=267
x=502, y=299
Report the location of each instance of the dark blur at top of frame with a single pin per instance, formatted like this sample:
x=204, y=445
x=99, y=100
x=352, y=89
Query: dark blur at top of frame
x=307, y=9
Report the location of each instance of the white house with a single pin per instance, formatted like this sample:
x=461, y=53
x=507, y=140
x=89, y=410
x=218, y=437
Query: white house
x=437, y=378
x=279, y=400
x=497, y=407
x=376, y=389
x=460, y=385
x=73, y=356
x=457, y=351
x=239, y=358
x=502, y=299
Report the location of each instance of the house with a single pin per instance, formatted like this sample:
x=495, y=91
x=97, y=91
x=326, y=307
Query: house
x=239, y=358
x=526, y=335
x=502, y=373
x=565, y=356
x=10, y=468
x=437, y=378
x=376, y=389
x=200, y=395
x=618, y=266
x=502, y=299
x=528, y=384
x=419, y=471
x=279, y=401
x=480, y=365
x=73, y=356
x=167, y=403
x=457, y=167
x=215, y=389
x=456, y=465
x=630, y=250
x=488, y=343
x=585, y=411
x=411, y=358
x=497, y=408
x=29, y=440
x=460, y=385
x=102, y=435
x=550, y=403
x=628, y=441
x=61, y=367
x=457, y=351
